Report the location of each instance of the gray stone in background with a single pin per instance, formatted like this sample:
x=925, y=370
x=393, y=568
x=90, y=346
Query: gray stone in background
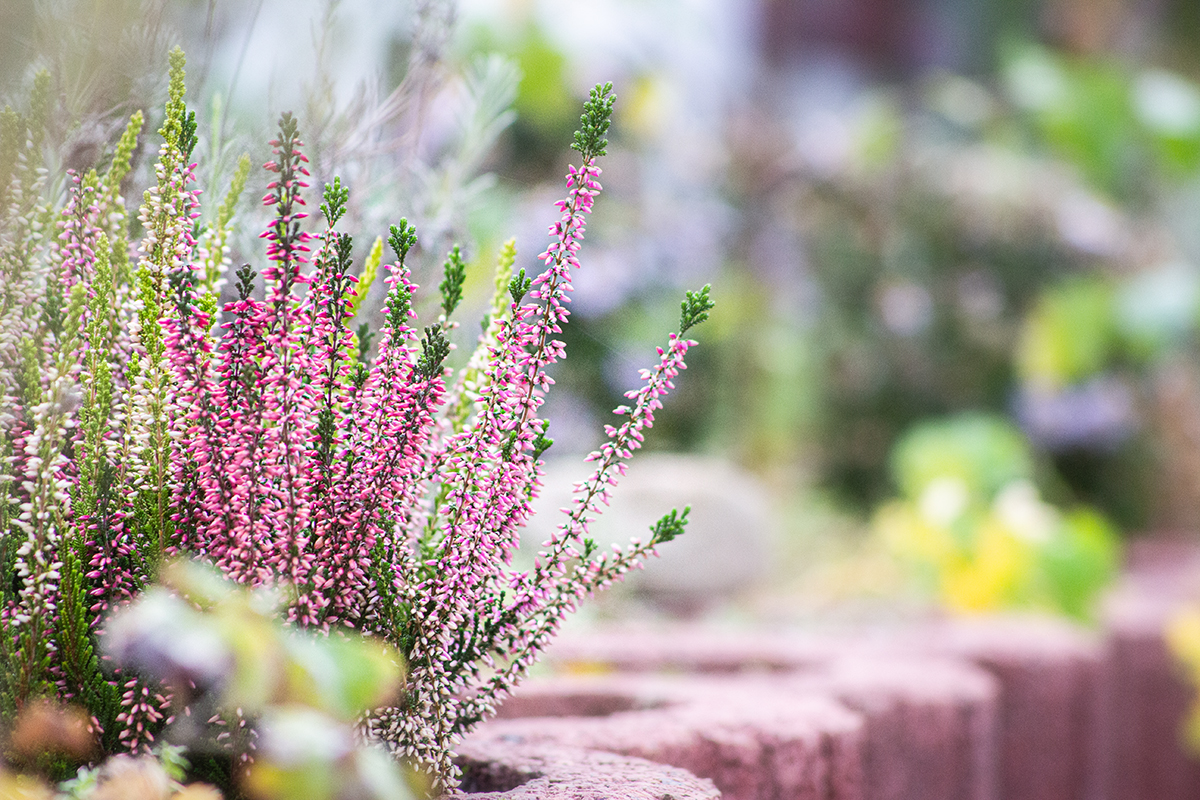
x=728, y=543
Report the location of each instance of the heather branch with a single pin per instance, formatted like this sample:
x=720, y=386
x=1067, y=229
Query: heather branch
x=112, y=207
x=214, y=244
x=593, y=125
x=452, y=284
x=695, y=308
x=286, y=403
x=44, y=516
x=363, y=286
x=97, y=405
x=487, y=479
x=469, y=386
x=97, y=522
x=167, y=215
x=554, y=587
x=122, y=160
x=610, y=457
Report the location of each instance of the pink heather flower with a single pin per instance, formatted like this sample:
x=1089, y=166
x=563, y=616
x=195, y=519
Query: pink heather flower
x=263, y=441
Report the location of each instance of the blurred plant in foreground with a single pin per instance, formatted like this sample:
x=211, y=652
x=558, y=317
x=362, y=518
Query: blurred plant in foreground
x=971, y=522
x=226, y=656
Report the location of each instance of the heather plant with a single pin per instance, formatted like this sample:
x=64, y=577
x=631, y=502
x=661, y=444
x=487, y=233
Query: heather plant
x=71, y=535
x=270, y=440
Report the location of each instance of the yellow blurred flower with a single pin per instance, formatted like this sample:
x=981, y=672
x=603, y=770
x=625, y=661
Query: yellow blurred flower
x=992, y=575
x=1183, y=639
x=1016, y=552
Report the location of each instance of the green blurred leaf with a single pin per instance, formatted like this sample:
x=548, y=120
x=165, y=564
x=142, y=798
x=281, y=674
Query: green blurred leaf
x=259, y=664
x=1083, y=110
x=544, y=98
x=1070, y=334
x=199, y=583
x=880, y=131
x=304, y=753
x=1168, y=106
x=341, y=674
x=1080, y=561
x=984, y=451
x=382, y=777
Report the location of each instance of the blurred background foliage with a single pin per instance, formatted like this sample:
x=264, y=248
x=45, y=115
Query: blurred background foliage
x=972, y=523
x=908, y=210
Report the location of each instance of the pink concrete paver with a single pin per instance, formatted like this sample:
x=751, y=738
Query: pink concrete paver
x=1150, y=696
x=754, y=743
x=504, y=770
x=930, y=724
x=1058, y=712
x=1053, y=680
x=688, y=649
x=924, y=729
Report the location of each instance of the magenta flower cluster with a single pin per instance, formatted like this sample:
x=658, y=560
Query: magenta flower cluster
x=386, y=491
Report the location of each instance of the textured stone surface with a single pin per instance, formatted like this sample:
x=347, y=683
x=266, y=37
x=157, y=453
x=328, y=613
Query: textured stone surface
x=1054, y=697
x=924, y=728
x=689, y=649
x=1053, y=702
x=1150, y=697
x=930, y=725
x=507, y=770
x=756, y=742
